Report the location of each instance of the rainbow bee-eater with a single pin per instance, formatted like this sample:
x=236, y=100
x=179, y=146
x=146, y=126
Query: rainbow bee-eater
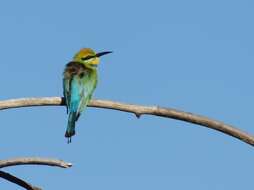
x=79, y=82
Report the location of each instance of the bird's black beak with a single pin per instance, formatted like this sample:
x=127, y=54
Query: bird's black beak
x=103, y=53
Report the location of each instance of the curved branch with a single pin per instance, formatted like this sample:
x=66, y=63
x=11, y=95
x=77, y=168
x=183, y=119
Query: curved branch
x=30, y=161
x=138, y=110
x=17, y=181
x=34, y=161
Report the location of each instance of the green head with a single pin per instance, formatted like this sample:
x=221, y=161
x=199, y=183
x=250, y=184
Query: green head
x=88, y=57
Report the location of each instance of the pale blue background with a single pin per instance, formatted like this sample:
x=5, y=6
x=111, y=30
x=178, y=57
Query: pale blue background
x=195, y=56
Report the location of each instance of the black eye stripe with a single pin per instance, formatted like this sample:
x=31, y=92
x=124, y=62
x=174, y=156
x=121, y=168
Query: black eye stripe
x=88, y=57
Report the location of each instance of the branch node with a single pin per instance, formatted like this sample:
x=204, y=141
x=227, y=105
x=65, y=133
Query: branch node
x=138, y=115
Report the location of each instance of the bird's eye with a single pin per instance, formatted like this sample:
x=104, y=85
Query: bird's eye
x=87, y=57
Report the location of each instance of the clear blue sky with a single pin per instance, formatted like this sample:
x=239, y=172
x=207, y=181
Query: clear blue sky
x=195, y=56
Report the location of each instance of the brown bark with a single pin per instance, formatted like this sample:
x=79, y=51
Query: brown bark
x=138, y=110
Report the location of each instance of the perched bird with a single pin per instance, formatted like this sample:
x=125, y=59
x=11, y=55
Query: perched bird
x=79, y=83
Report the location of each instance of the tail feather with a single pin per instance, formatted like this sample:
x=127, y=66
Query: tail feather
x=70, y=131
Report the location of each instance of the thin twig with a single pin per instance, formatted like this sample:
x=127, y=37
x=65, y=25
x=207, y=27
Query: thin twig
x=34, y=161
x=17, y=181
x=138, y=110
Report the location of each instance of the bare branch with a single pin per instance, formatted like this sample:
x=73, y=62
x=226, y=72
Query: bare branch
x=17, y=181
x=34, y=161
x=30, y=161
x=138, y=110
